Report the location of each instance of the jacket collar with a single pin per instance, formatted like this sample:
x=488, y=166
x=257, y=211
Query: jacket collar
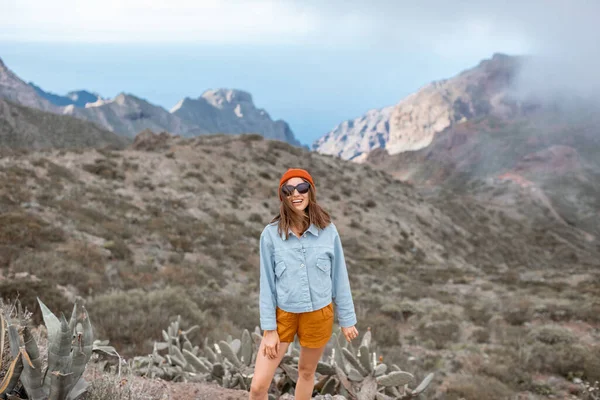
x=312, y=229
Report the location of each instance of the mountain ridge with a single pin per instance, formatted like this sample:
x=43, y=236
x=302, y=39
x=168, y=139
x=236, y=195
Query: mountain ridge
x=220, y=111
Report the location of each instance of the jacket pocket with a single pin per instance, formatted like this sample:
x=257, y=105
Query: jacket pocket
x=281, y=282
x=323, y=282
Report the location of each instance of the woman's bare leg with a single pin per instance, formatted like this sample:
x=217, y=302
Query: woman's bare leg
x=307, y=365
x=264, y=370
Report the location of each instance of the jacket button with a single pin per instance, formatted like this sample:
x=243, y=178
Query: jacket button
x=302, y=265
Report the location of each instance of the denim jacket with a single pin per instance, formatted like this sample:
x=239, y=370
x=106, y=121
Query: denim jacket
x=303, y=274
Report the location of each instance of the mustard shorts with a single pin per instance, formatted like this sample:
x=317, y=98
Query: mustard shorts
x=314, y=328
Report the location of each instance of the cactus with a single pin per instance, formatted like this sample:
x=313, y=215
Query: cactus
x=358, y=373
x=230, y=363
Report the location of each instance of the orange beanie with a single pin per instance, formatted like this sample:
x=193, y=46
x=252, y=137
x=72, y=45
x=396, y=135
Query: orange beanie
x=293, y=173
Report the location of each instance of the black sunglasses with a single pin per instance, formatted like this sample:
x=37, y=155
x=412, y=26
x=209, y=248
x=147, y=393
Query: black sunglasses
x=288, y=190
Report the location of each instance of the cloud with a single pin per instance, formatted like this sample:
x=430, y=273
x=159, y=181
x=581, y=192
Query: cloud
x=565, y=32
x=173, y=21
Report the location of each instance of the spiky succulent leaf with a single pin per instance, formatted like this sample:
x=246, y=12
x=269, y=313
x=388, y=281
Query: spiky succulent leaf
x=424, y=384
x=32, y=377
x=325, y=369
x=228, y=353
x=354, y=375
x=366, y=340
x=329, y=387
x=236, y=345
x=195, y=361
x=364, y=358
x=80, y=387
x=81, y=349
x=380, y=369
x=339, y=356
x=368, y=389
x=11, y=378
x=50, y=320
x=355, y=363
x=395, y=378
x=246, y=353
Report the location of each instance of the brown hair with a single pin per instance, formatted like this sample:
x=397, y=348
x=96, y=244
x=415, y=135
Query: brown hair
x=290, y=216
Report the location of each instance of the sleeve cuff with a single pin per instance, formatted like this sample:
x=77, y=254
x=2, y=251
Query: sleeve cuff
x=268, y=327
x=346, y=323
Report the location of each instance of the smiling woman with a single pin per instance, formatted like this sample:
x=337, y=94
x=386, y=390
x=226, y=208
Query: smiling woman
x=302, y=276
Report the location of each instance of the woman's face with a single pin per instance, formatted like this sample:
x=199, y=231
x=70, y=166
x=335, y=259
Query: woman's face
x=299, y=200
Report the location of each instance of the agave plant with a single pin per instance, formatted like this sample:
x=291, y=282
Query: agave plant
x=69, y=350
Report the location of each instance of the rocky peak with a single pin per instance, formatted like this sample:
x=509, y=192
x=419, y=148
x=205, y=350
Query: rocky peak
x=231, y=111
x=13, y=89
x=221, y=98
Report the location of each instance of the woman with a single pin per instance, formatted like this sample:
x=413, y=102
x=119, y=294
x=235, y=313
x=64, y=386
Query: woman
x=302, y=273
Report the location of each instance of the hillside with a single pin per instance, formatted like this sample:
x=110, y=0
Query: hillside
x=553, y=153
x=496, y=298
x=29, y=128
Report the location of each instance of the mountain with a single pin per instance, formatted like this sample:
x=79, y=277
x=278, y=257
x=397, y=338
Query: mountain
x=12, y=88
x=215, y=111
x=478, y=128
x=128, y=115
x=29, y=128
x=413, y=122
x=78, y=98
x=353, y=139
x=231, y=111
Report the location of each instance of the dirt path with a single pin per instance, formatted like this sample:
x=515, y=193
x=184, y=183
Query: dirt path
x=204, y=391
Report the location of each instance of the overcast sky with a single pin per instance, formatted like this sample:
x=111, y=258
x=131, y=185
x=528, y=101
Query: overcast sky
x=312, y=63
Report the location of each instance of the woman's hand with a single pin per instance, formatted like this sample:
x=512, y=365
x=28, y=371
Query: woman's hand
x=350, y=333
x=271, y=344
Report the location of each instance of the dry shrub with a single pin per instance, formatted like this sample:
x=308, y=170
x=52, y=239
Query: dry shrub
x=383, y=328
x=28, y=290
x=22, y=230
x=127, y=387
x=505, y=365
x=134, y=319
x=438, y=332
x=566, y=359
x=80, y=266
x=476, y=387
x=232, y=307
x=518, y=310
x=591, y=364
x=106, y=169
